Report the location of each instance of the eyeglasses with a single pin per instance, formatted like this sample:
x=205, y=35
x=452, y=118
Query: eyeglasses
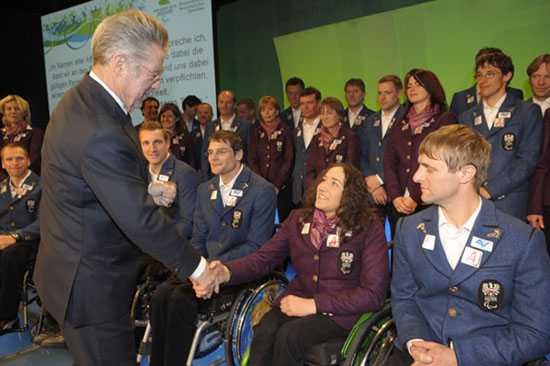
x=488, y=75
x=154, y=76
x=217, y=152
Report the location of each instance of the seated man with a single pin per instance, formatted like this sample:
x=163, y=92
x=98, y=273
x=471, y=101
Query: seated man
x=20, y=196
x=234, y=216
x=163, y=168
x=470, y=283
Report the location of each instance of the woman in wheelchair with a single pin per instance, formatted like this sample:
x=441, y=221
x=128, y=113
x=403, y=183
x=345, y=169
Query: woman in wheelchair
x=338, y=247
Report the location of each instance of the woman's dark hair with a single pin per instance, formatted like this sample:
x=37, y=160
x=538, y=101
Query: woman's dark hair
x=180, y=128
x=429, y=81
x=355, y=211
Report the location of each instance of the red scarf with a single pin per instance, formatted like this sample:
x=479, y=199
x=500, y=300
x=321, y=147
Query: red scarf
x=417, y=121
x=326, y=137
x=13, y=130
x=321, y=227
x=271, y=128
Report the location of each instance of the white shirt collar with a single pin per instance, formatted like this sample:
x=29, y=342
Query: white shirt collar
x=468, y=225
x=232, y=182
x=497, y=104
x=115, y=97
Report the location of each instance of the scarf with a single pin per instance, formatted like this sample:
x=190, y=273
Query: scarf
x=326, y=137
x=13, y=130
x=418, y=121
x=269, y=129
x=321, y=227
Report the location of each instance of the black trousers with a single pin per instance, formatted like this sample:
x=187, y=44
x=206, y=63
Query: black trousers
x=13, y=264
x=284, y=202
x=282, y=340
x=546, y=218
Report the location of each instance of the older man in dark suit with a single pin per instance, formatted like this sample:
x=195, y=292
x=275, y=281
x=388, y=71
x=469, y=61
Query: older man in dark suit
x=96, y=209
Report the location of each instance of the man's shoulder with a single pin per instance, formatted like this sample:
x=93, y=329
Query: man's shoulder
x=463, y=93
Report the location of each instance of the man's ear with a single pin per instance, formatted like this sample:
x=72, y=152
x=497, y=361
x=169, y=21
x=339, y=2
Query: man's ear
x=239, y=154
x=467, y=173
x=118, y=63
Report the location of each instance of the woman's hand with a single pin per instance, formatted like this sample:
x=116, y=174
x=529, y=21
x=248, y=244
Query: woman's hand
x=298, y=306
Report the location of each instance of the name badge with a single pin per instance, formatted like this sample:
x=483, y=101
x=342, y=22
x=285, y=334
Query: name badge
x=333, y=241
x=305, y=228
x=478, y=120
x=479, y=243
x=429, y=242
x=175, y=140
x=499, y=122
x=348, y=233
x=504, y=114
x=472, y=257
x=299, y=133
x=470, y=99
x=262, y=134
x=236, y=193
x=27, y=187
x=214, y=195
x=163, y=178
x=231, y=201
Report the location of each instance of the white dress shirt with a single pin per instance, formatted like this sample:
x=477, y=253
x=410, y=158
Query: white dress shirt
x=309, y=130
x=296, y=114
x=225, y=189
x=491, y=112
x=226, y=125
x=544, y=104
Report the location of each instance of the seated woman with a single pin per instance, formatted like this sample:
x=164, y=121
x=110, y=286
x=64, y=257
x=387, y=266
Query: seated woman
x=425, y=111
x=334, y=144
x=271, y=153
x=181, y=142
x=17, y=128
x=338, y=248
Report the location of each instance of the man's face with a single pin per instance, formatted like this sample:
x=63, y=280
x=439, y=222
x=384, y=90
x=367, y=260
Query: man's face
x=354, y=96
x=137, y=80
x=226, y=104
x=222, y=158
x=309, y=106
x=293, y=94
x=15, y=162
x=388, y=96
x=150, y=110
x=204, y=114
x=540, y=82
x=491, y=81
x=190, y=112
x=155, y=147
x=245, y=113
x=437, y=184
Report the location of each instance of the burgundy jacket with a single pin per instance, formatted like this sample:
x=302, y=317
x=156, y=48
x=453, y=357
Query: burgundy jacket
x=347, y=151
x=401, y=155
x=539, y=189
x=31, y=138
x=344, y=281
x=181, y=145
x=272, y=159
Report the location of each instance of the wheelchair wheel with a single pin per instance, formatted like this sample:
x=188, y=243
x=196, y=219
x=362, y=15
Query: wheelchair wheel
x=142, y=302
x=373, y=342
x=249, y=307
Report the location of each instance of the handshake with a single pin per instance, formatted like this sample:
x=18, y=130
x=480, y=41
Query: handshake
x=163, y=193
x=210, y=280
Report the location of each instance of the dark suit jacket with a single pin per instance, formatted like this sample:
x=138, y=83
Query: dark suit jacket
x=539, y=189
x=96, y=211
x=287, y=117
x=466, y=99
x=364, y=113
x=183, y=148
x=345, y=281
x=515, y=149
x=401, y=155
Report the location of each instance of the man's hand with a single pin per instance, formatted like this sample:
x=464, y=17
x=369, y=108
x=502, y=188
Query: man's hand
x=536, y=221
x=163, y=193
x=222, y=272
x=205, y=284
x=433, y=354
x=484, y=193
x=6, y=241
x=372, y=183
x=298, y=306
x=380, y=196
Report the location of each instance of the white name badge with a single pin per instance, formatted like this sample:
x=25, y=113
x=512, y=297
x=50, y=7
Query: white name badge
x=236, y=193
x=232, y=201
x=214, y=195
x=305, y=229
x=504, y=115
x=479, y=243
x=472, y=257
x=429, y=242
x=333, y=241
x=163, y=178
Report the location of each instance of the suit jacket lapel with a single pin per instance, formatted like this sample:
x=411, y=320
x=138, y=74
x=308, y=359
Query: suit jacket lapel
x=168, y=167
x=430, y=227
x=479, y=122
x=242, y=184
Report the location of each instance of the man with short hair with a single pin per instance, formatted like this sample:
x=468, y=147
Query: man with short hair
x=227, y=121
x=539, y=79
x=292, y=115
x=96, y=213
x=20, y=196
x=234, y=216
x=310, y=125
x=204, y=115
x=189, y=108
x=467, y=99
x=357, y=112
x=470, y=284
x=149, y=110
x=374, y=134
x=247, y=111
x=513, y=127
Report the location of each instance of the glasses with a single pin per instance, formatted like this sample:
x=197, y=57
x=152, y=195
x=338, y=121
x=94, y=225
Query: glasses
x=219, y=152
x=155, y=76
x=488, y=75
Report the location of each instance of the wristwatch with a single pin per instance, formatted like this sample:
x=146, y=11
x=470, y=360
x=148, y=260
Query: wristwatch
x=16, y=236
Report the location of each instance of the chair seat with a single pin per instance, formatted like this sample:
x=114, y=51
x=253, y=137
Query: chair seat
x=325, y=353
